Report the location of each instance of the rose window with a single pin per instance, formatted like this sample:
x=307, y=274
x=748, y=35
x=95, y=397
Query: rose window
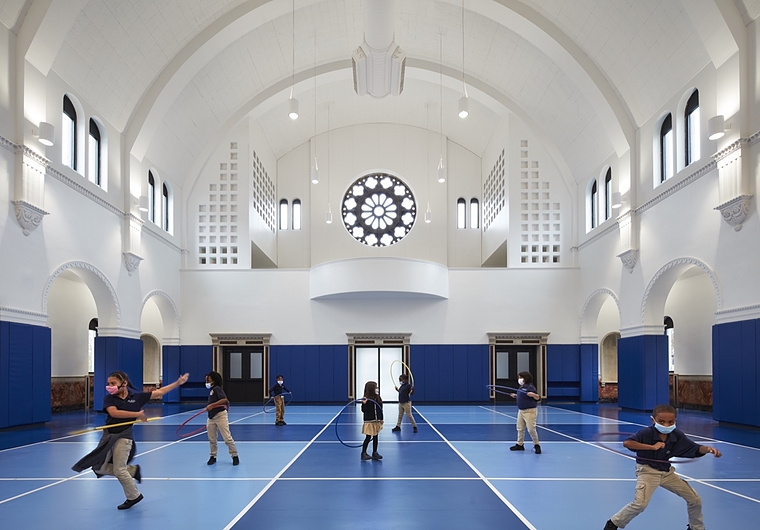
x=379, y=210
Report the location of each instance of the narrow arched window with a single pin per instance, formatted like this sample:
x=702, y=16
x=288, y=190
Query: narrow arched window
x=94, y=159
x=166, y=206
x=284, y=214
x=69, y=134
x=666, y=148
x=474, y=213
x=669, y=331
x=92, y=332
x=594, y=204
x=461, y=213
x=296, y=220
x=151, y=197
x=691, y=128
x=608, y=194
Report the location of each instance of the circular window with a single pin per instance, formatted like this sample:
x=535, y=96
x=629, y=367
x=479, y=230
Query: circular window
x=379, y=210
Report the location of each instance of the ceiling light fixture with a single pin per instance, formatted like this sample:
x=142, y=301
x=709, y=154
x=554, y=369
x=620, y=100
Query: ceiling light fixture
x=293, y=102
x=328, y=215
x=441, y=167
x=315, y=168
x=464, y=100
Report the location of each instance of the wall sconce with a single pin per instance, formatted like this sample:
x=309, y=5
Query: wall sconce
x=716, y=128
x=143, y=204
x=45, y=134
x=617, y=200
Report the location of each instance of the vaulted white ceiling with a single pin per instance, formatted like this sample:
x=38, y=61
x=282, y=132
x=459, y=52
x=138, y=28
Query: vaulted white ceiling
x=173, y=75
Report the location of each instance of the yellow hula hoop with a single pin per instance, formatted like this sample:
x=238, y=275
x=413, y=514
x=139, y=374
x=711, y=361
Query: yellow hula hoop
x=411, y=375
x=103, y=427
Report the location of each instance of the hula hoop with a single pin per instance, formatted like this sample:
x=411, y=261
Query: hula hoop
x=104, y=427
x=199, y=430
x=271, y=400
x=503, y=389
x=337, y=420
x=411, y=376
x=598, y=438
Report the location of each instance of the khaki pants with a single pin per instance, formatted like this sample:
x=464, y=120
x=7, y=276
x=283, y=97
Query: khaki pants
x=405, y=408
x=279, y=406
x=120, y=469
x=648, y=479
x=527, y=417
x=220, y=423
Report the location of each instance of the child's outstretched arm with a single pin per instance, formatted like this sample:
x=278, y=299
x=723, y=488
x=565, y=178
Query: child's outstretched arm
x=704, y=449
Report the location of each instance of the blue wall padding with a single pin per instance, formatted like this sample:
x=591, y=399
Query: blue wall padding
x=589, y=372
x=112, y=354
x=194, y=360
x=24, y=374
x=736, y=372
x=314, y=373
x=643, y=372
x=450, y=372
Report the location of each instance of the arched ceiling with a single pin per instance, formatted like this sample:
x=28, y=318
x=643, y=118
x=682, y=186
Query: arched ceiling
x=174, y=75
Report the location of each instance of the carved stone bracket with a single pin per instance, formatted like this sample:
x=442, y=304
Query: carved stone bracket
x=132, y=261
x=735, y=211
x=29, y=217
x=629, y=258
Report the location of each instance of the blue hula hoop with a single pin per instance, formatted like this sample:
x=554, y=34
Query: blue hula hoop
x=502, y=389
x=271, y=400
x=337, y=420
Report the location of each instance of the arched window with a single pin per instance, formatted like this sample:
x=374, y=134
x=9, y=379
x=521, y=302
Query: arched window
x=166, y=207
x=94, y=160
x=474, y=213
x=69, y=134
x=691, y=128
x=151, y=197
x=92, y=332
x=284, y=214
x=669, y=331
x=666, y=148
x=461, y=213
x=296, y=221
x=608, y=194
x=593, y=206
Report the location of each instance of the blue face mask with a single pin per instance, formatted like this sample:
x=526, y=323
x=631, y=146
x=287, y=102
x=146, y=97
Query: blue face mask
x=663, y=429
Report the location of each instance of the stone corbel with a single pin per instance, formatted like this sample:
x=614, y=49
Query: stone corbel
x=629, y=258
x=132, y=261
x=735, y=211
x=29, y=217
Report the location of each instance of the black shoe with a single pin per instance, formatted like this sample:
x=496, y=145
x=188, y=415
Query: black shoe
x=283, y=423
x=376, y=456
x=235, y=460
x=517, y=447
x=138, y=475
x=415, y=429
x=610, y=526
x=537, y=449
x=211, y=461
x=128, y=504
x=396, y=429
x=365, y=456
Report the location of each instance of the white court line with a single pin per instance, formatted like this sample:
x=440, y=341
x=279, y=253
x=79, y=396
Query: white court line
x=482, y=477
x=277, y=476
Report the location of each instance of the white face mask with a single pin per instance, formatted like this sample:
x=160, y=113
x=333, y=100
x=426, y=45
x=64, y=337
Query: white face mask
x=208, y=385
x=521, y=381
x=280, y=382
x=377, y=391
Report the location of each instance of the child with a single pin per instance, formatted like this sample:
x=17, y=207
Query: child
x=527, y=411
x=117, y=447
x=217, y=418
x=279, y=400
x=373, y=419
x=404, y=403
x=654, y=446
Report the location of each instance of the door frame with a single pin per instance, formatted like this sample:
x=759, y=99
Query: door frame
x=536, y=340
x=401, y=340
x=221, y=340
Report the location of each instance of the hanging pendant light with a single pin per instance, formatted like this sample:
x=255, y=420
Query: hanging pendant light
x=428, y=214
x=464, y=101
x=293, y=102
x=441, y=167
x=315, y=168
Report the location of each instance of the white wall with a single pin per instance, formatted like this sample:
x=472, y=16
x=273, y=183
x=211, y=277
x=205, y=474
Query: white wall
x=70, y=309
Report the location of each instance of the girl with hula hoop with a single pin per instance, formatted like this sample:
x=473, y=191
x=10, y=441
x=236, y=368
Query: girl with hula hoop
x=372, y=407
x=218, y=419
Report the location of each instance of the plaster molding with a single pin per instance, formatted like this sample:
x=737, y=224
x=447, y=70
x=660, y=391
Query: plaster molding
x=168, y=298
x=88, y=267
x=629, y=259
x=590, y=297
x=738, y=314
x=643, y=329
x=8, y=145
x=693, y=177
x=147, y=229
x=119, y=332
x=28, y=216
x=132, y=261
x=76, y=186
x=735, y=211
x=22, y=316
x=731, y=148
x=598, y=234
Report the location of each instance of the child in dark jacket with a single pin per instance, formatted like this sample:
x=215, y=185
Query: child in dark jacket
x=372, y=407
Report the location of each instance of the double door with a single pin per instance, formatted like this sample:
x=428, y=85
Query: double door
x=243, y=373
x=373, y=363
x=510, y=361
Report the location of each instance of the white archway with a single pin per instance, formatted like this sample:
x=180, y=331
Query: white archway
x=590, y=313
x=106, y=300
x=169, y=314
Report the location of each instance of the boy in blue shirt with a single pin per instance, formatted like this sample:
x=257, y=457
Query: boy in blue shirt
x=527, y=411
x=404, y=402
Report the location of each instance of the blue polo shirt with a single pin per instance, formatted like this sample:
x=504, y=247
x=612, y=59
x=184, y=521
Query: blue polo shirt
x=215, y=395
x=524, y=401
x=403, y=393
x=677, y=444
x=131, y=403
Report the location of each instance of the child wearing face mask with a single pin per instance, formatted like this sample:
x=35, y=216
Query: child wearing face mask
x=117, y=447
x=372, y=407
x=527, y=398
x=218, y=421
x=654, y=446
x=279, y=400
x=404, y=402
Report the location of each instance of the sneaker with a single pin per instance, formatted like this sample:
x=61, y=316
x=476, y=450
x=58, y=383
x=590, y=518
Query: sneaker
x=138, y=475
x=235, y=460
x=211, y=461
x=126, y=505
x=517, y=447
x=415, y=429
x=537, y=449
x=365, y=456
x=610, y=526
x=377, y=456
x=283, y=423
x=396, y=429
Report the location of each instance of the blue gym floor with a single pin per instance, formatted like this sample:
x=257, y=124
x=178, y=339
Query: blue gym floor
x=456, y=473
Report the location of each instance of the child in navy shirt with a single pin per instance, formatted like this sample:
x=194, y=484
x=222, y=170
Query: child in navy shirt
x=527, y=399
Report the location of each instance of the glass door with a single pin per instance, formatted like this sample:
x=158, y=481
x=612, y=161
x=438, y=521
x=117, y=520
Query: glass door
x=510, y=361
x=243, y=374
x=373, y=363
